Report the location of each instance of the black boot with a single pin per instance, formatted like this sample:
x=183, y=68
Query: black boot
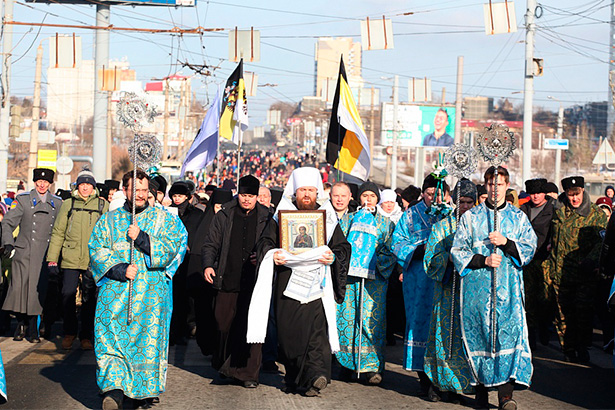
x=583, y=355
x=482, y=397
x=20, y=332
x=113, y=400
x=433, y=394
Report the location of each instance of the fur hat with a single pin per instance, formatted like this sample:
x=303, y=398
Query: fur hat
x=249, y=185
x=573, y=182
x=46, y=174
x=181, y=188
x=535, y=186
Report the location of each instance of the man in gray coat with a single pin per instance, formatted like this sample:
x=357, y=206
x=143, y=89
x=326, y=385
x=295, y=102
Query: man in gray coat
x=34, y=213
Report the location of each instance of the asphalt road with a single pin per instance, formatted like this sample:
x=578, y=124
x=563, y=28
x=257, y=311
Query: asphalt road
x=45, y=377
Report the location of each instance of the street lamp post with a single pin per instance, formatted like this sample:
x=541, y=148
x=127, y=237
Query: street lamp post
x=560, y=131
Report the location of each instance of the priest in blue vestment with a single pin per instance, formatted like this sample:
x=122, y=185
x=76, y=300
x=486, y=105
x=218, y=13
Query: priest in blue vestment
x=495, y=329
x=131, y=357
x=446, y=364
x=369, y=233
x=409, y=239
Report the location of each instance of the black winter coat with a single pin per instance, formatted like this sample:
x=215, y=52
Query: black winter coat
x=217, y=242
x=542, y=226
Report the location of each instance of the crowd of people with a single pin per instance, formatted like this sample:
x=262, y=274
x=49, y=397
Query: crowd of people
x=241, y=268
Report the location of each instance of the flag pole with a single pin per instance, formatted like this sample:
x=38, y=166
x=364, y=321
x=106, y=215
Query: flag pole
x=239, y=154
x=218, y=162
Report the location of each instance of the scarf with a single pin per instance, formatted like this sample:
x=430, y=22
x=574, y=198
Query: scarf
x=258, y=313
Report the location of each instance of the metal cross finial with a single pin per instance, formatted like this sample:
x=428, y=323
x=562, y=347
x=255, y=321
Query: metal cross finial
x=135, y=112
x=460, y=160
x=145, y=151
x=496, y=144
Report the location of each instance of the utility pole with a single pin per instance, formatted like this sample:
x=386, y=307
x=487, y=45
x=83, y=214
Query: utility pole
x=103, y=19
x=528, y=89
x=165, y=137
x=394, y=159
x=109, y=135
x=611, y=107
x=5, y=108
x=36, y=108
x=182, y=119
x=371, y=135
x=558, y=152
x=459, y=100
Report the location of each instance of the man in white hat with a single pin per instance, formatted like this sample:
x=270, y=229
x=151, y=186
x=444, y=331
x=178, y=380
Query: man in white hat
x=307, y=333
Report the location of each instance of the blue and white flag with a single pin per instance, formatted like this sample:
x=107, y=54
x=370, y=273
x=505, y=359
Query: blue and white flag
x=205, y=145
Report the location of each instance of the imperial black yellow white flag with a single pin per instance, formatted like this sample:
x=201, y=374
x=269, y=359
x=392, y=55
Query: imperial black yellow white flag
x=234, y=117
x=347, y=145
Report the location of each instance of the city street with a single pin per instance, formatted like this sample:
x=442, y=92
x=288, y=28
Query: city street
x=43, y=376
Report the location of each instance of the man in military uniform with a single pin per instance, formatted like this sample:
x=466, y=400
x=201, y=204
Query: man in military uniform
x=34, y=213
x=572, y=266
x=539, y=210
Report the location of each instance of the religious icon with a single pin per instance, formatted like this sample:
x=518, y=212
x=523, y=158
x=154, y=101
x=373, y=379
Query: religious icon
x=301, y=231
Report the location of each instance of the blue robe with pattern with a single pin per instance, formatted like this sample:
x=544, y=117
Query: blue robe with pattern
x=370, y=252
x=3, y=397
x=446, y=363
x=511, y=357
x=411, y=233
x=610, y=302
x=133, y=358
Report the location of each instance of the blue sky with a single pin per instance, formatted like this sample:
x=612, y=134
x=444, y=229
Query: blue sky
x=572, y=39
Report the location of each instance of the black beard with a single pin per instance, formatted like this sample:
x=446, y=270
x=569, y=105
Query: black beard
x=138, y=209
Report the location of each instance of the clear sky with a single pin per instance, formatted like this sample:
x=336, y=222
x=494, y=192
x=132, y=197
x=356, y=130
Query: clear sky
x=572, y=38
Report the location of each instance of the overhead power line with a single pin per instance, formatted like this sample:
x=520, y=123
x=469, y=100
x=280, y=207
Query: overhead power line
x=174, y=30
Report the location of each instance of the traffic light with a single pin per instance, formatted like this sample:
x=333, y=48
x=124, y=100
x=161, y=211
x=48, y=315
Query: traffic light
x=15, y=128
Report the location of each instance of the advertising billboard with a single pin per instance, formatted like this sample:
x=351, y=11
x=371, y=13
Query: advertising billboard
x=419, y=125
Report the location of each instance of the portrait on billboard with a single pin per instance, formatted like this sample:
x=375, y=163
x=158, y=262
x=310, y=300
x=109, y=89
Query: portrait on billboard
x=439, y=137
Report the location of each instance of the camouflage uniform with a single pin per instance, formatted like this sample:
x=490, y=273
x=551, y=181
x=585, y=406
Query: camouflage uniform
x=538, y=309
x=570, y=270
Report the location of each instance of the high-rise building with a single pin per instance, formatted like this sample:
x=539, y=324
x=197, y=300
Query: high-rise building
x=477, y=108
x=327, y=59
x=71, y=83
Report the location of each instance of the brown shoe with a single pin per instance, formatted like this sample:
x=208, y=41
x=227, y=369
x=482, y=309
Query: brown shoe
x=86, y=345
x=67, y=342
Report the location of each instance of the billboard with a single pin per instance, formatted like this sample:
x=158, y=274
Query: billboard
x=419, y=125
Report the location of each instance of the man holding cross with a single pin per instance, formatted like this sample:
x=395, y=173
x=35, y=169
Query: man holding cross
x=131, y=357
x=495, y=330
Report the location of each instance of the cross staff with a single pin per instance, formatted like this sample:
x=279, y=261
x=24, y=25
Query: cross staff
x=460, y=161
x=362, y=290
x=495, y=146
x=144, y=152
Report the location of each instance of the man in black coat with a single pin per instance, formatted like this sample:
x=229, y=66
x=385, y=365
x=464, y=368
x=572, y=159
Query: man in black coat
x=191, y=217
x=303, y=328
x=229, y=260
x=539, y=210
x=200, y=290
